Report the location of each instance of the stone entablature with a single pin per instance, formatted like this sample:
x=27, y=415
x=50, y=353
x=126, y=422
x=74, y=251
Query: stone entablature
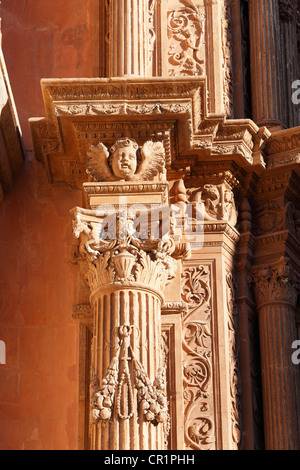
x=171, y=111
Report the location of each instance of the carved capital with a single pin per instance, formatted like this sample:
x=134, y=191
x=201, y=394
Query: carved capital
x=273, y=284
x=121, y=258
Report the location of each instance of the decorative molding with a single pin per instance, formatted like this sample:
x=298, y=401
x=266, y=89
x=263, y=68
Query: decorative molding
x=284, y=160
x=140, y=102
x=122, y=108
x=83, y=312
x=283, y=141
x=180, y=308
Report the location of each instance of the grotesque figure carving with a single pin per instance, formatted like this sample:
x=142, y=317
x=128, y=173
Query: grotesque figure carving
x=126, y=161
x=218, y=202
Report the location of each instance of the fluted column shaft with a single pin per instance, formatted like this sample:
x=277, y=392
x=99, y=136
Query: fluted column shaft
x=117, y=308
x=265, y=62
x=276, y=294
x=288, y=30
x=128, y=38
x=279, y=376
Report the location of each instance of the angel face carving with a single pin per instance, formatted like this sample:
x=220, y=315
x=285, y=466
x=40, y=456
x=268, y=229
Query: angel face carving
x=126, y=161
x=123, y=159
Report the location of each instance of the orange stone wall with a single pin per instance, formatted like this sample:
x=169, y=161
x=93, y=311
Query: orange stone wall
x=46, y=39
x=39, y=383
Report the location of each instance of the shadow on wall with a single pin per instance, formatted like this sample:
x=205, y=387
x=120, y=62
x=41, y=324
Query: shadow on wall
x=12, y=152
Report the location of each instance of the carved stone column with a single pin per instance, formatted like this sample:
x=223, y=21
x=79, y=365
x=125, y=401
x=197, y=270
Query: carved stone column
x=128, y=263
x=276, y=295
x=126, y=278
x=265, y=62
x=130, y=38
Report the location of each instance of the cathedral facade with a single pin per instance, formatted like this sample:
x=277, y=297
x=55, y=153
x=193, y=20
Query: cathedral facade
x=150, y=225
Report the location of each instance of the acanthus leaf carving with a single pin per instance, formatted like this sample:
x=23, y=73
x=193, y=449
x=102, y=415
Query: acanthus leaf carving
x=195, y=290
x=122, y=256
x=275, y=283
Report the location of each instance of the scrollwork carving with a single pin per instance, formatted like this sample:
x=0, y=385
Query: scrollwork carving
x=200, y=432
x=197, y=365
x=197, y=373
x=185, y=28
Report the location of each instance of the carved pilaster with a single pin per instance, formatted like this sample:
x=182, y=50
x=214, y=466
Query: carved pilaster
x=207, y=321
x=200, y=419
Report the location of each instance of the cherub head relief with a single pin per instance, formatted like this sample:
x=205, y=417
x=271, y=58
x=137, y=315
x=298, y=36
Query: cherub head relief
x=126, y=161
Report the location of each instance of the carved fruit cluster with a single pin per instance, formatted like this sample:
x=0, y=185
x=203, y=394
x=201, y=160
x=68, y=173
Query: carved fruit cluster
x=152, y=397
x=104, y=398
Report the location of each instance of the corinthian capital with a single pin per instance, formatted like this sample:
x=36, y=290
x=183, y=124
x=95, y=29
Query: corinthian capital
x=277, y=283
x=119, y=256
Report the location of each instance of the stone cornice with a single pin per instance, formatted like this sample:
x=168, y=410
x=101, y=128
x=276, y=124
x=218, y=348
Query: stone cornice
x=277, y=182
x=283, y=142
x=99, y=110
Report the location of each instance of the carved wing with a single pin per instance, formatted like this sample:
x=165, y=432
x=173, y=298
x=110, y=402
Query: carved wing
x=97, y=165
x=153, y=161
